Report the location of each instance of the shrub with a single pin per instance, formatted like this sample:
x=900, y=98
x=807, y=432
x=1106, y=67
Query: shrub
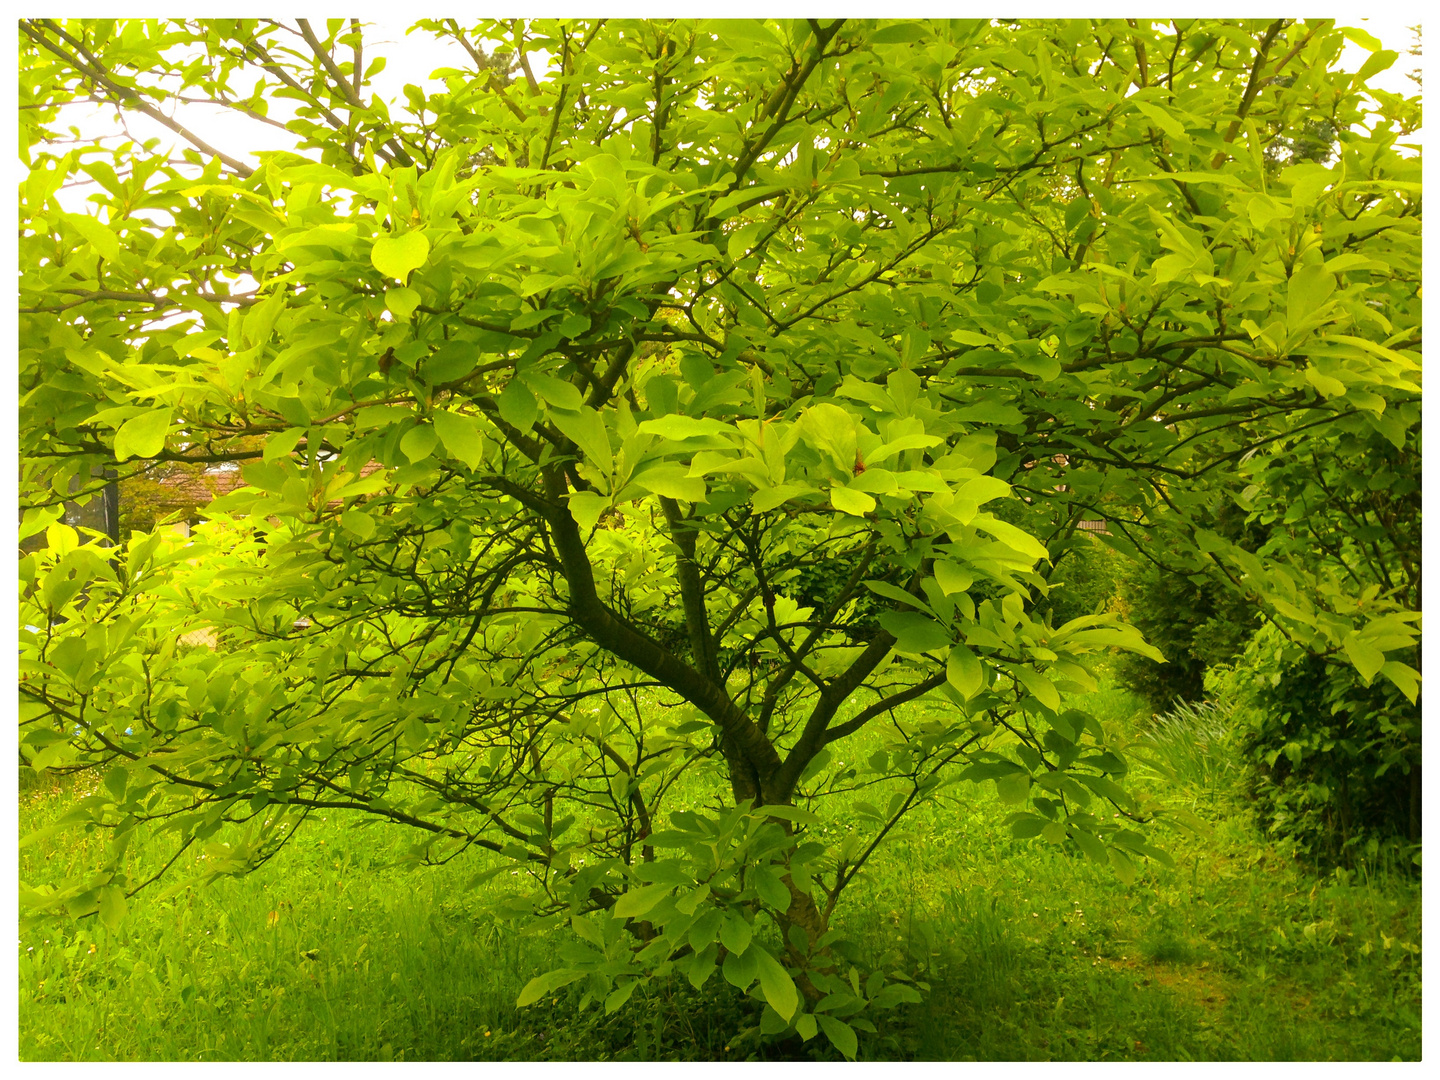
x=1087, y=575
x=1196, y=624
x=1332, y=764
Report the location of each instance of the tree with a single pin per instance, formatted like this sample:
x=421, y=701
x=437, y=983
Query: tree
x=737, y=390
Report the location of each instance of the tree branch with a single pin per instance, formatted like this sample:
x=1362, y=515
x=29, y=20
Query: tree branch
x=98, y=74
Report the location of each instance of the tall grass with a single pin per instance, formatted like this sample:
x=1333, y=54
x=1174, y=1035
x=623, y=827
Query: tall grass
x=1191, y=746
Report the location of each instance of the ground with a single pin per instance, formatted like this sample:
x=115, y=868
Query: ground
x=334, y=951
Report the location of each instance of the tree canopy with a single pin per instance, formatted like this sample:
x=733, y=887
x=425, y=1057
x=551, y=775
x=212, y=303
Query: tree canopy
x=737, y=387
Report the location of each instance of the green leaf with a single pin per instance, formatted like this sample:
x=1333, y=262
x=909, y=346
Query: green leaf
x=740, y=969
x=116, y=780
x=397, y=256
x=899, y=595
x=1013, y=789
x=402, y=302
x=142, y=436
x=735, y=933
x=1307, y=292
x=283, y=444
x=556, y=392
x=705, y=928
x=831, y=430
x=1368, y=660
x=742, y=239
x=1374, y=64
x=547, y=983
x=771, y=889
x=449, y=362
x=518, y=406
x=1043, y=689
x=964, y=672
x=359, y=523
x=586, y=508
x=952, y=578
x=848, y=501
x=776, y=984
x=840, y=1034
x=97, y=234
x=702, y=966
x=419, y=443
x=1163, y=120
x=898, y=33
x=1328, y=387
x=1363, y=38
x=913, y=632
x=1123, y=866
x=1045, y=368
x=1106, y=788
x=620, y=995
x=671, y=481
x=770, y=498
x=460, y=436
x=1011, y=536
x=112, y=906
x=1027, y=826
x=1090, y=844
x=637, y=902
x=1182, y=177
x=572, y=326
x=679, y=427
x=1404, y=677
x=1307, y=180
x=969, y=337
x=586, y=430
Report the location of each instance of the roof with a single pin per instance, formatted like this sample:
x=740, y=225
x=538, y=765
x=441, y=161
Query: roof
x=199, y=489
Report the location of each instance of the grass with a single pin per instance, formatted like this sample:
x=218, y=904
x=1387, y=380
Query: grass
x=333, y=952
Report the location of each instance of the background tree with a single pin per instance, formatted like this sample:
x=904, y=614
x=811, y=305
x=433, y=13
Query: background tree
x=824, y=334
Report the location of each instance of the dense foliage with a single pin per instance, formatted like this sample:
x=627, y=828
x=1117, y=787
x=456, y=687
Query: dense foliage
x=1198, y=622
x=734, y=386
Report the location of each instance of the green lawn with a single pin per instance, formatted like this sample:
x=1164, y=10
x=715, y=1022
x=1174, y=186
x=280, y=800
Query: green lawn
x=334, y=952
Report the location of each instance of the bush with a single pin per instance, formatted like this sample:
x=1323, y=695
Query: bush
x=1087, y=576
x=1195, y=623
x=1333, y=764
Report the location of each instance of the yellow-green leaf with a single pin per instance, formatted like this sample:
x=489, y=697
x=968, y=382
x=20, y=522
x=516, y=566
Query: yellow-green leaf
x=849, y=501
x=840, y=1034
x=913, y=632
x=460, y=437
x=1043, y=689
x=418, y=443
x=112, y=906
x=637, y=902
x=951, y=578
x=142, y=436
x=397, y=256
x=402, y=302
x=776, y=984
x=97, y=234
x=1368, y=660
x=964, y=672
x=518, y=406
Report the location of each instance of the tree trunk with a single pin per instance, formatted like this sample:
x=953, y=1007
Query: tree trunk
x=806, y=914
